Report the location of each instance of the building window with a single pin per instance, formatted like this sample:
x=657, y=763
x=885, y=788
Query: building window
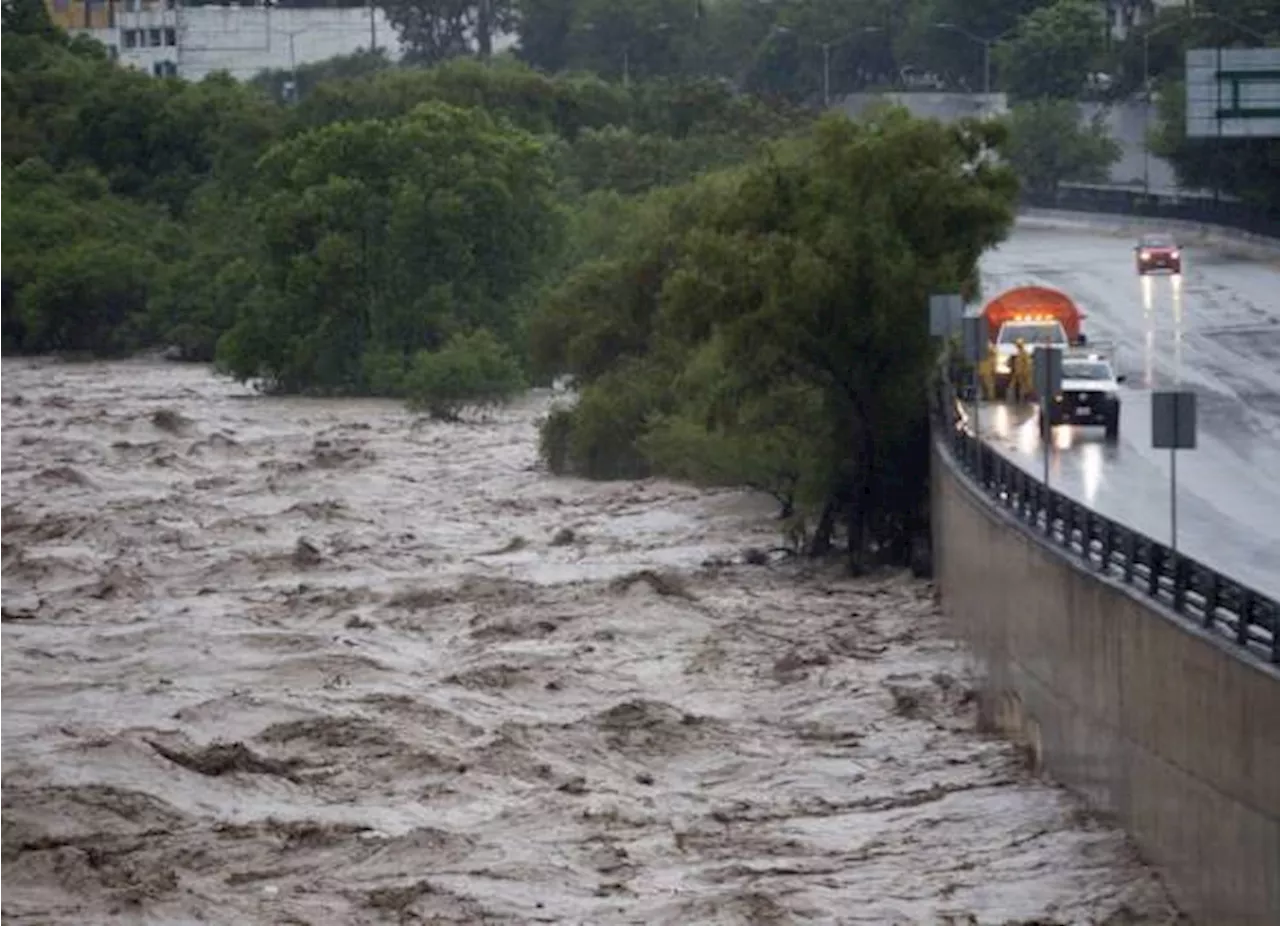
x=154, y=36
x=114, y=52
x=171, y=36
x=164, y=69
x=131, y=38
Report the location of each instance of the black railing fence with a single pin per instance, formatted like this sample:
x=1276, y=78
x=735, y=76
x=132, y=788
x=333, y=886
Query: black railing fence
x=1183, y=206
x=1192, y=590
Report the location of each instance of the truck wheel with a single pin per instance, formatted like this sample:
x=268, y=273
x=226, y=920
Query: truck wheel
x=1113, y=427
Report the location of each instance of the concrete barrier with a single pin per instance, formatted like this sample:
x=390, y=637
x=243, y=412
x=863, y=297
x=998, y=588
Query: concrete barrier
x=1155, y=723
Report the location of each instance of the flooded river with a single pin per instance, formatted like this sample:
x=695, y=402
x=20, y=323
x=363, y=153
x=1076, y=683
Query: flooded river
x=316, y=662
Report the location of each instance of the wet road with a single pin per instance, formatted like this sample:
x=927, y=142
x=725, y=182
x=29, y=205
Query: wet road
x=1214, y=330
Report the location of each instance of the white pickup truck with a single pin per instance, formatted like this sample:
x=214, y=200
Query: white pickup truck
x=1089, y=395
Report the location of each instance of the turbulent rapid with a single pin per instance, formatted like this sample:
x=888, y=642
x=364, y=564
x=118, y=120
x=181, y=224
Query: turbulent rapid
x=319, y=662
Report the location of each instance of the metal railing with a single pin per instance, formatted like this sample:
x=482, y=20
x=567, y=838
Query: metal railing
x=1190, y=589
x=1183, y=206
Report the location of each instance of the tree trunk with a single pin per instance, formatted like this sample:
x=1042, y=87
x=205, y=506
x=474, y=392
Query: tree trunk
x=821, y=542
x=484, y=29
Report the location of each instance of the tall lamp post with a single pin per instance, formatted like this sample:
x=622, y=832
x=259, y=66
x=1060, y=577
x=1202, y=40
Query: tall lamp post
x=986, y=49
x=826, y=54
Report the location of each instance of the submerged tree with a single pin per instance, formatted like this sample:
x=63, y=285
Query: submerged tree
x=766, y=326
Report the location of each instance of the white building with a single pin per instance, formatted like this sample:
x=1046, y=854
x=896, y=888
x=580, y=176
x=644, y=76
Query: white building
x=165, y=38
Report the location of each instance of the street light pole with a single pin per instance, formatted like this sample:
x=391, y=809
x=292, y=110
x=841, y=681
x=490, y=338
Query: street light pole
x=1146, y=110
x=986, y=44
x=826, y=75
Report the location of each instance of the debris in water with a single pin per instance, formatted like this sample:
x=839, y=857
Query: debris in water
x=306, y=553
x=219, y=759
x=171, y=422
x=667, y=584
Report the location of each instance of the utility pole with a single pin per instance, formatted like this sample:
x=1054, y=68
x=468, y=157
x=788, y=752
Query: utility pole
x=373, y=28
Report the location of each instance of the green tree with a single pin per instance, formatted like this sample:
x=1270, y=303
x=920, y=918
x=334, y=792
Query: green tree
x=290, y=85
x=633, y=38
x=437, y=30
x=1053, y=51
x=79, y=262
x=471, y=371
x=29, y=18
x=544, y=27
x=1050, y=143
x=389, y=235
x=775, y=312
x=932, y=36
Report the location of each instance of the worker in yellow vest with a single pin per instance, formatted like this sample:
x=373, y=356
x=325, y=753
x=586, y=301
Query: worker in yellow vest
x=1020, y=369
x=987, y=373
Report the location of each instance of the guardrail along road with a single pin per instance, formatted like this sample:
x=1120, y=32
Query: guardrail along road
x=1215, y=330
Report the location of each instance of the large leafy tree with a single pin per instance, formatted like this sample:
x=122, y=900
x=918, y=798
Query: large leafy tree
x=1049, y=143
x=29, y=18
x=1052, y=51
x=943, y=36
x=766, y=325
x=437, y=30
x=386, y=237
x=79, y=262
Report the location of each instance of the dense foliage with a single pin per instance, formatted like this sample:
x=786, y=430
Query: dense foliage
x=635, y=198
x=1049, y=143
x=325, y=231
x=765, y=325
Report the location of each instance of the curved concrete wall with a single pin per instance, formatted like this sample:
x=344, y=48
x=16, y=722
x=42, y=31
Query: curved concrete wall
x=1154, y=722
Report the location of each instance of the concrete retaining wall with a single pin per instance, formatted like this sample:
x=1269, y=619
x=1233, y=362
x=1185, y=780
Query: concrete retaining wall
x=1152, y=721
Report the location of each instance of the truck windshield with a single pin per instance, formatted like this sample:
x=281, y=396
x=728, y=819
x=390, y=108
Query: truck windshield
x=1033, y=333
x=1086, y=369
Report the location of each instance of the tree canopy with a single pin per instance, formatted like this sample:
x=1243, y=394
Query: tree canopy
x=765, y=325
x=640, y=197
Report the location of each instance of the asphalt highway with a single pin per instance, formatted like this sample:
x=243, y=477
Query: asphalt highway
x=1214, y=330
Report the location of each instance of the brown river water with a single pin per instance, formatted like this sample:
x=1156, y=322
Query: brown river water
x=291, y=661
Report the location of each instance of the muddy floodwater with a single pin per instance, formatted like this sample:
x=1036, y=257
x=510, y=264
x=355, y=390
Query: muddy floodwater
x=316, y=662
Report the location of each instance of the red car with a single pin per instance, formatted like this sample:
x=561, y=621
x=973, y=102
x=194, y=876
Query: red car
x=1158, y=252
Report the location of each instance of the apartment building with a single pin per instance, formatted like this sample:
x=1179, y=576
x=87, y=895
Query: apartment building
x=170, y=38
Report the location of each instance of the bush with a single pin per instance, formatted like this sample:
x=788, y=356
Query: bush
x=471, y=371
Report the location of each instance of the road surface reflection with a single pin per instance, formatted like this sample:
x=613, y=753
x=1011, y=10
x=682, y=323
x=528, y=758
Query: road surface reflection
x=1073, y=448
x=1152, y=319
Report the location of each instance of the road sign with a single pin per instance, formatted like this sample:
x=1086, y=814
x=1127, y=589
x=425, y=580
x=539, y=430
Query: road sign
x=1173, y=420
x=975, y=335
x=1233, y=92
x=1047, y=371
x=945, y=312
